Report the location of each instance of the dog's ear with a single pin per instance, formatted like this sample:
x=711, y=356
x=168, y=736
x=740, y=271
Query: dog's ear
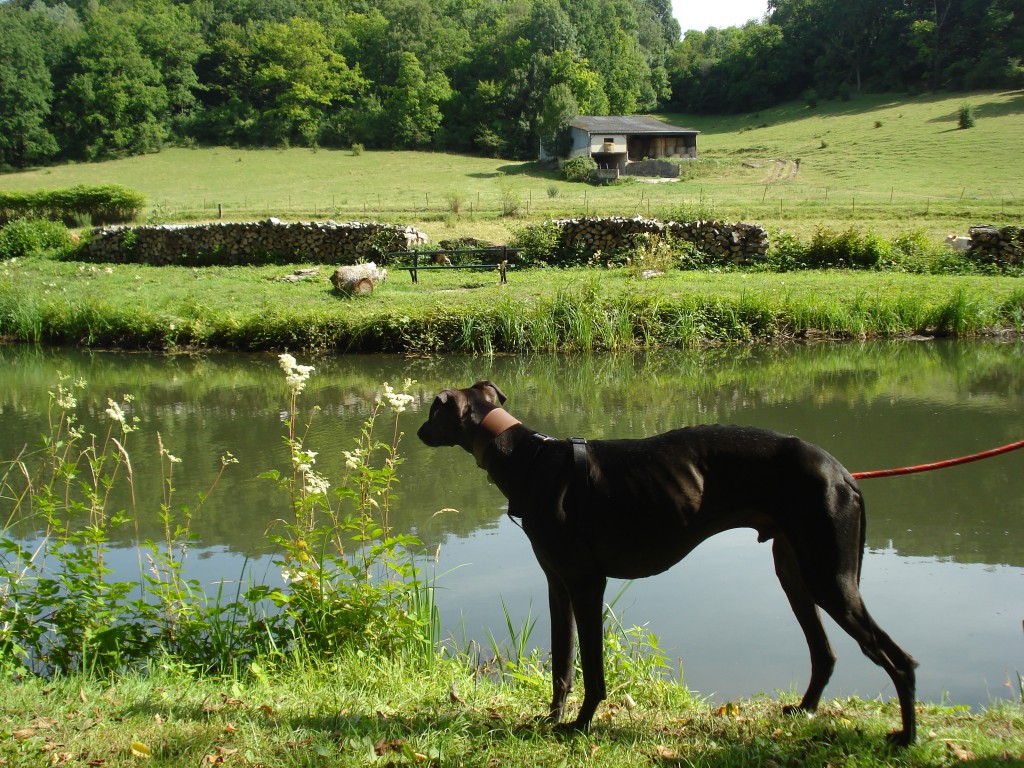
x=490, y=389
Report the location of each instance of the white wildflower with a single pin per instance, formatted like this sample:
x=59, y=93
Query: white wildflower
x=353, y=459
x=316, y=484
x=397, y=401
x=114, y=411
x=295, y=375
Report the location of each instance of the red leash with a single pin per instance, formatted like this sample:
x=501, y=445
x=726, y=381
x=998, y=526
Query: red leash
x=938, y=464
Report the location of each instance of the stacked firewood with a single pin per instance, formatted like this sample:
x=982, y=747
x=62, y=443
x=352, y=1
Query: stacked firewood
x=736, y=243
x=249, y=242
x=997, y=245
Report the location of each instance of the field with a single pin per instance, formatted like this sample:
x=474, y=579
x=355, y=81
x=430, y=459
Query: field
x=877, y=162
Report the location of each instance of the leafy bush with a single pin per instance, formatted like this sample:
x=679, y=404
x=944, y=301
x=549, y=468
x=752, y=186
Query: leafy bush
x=965, y=118
x=851, y=248
x=32, y=237
x=103, y=204
x=785, y=253
x=541, y=243
x=579, y=168
x=651, y=253
x=511, y=200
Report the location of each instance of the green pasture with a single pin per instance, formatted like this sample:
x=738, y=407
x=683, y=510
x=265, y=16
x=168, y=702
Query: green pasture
x=884, y=163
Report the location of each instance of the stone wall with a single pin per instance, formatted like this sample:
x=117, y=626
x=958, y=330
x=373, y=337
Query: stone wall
x=735, y=243
x=260, y=242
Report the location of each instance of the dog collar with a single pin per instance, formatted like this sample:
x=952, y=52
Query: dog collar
x=495, y=423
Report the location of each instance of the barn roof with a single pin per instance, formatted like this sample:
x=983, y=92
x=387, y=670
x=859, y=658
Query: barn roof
x=631, y=125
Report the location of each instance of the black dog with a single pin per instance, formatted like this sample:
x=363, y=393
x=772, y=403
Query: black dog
x=632, y=508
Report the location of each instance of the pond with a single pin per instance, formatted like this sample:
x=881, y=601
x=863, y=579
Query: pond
x=944, y=571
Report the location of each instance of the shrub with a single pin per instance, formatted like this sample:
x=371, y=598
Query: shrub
x=851, y=248
x=785, y=253
x=811, y=97
x=579, y=168
x=511, y=201
x=966, y=116
x=357, y=149
x=917, y=253
x=455, y=201
x=651, y=253
x=104, y=204
x=541, y=243
x=33, y=237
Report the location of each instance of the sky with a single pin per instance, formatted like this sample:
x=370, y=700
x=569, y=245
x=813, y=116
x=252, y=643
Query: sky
x=701, y=14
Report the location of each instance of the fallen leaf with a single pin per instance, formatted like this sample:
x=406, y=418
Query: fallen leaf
x=384, y=746
x=267, y=710
x=453, y=696
x=628, y=701
x=728, y=710
x=230, y=728
x=81, y=695
x=665, y=753
x=141, y=750
x=24, y=733
x=593, y=750
x=959, y=753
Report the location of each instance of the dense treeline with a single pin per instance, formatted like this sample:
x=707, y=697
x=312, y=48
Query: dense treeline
x=825, y=49
x=91, y=79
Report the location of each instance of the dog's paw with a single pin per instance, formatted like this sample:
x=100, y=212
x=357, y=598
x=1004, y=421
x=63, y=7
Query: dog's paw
x=899, y=739
x=796, y=709
x=572, y=728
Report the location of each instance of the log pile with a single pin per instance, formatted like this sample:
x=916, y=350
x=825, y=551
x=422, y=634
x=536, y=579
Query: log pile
x=230, y=244
x=997, y=245
x=734, y=243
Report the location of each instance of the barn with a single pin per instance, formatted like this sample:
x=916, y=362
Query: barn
x=631, y=145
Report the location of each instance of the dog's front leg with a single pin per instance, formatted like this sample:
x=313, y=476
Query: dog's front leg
x=563, y=641
x=587, y=606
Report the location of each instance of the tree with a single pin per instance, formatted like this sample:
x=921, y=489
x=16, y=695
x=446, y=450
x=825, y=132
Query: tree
x=114, y=100
x=413, y=103
x=297, y=77
x=26, y=90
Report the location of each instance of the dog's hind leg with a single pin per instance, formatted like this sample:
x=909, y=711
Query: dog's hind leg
x=847, y=608
x=587, y=606
x=823, y=658
x=563, y=641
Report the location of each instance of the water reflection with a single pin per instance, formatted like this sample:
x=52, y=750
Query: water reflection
x=945, y=547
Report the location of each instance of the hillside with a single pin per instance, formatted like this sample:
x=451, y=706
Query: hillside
x=871, y=162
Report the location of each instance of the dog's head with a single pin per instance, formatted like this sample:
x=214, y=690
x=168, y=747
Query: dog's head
x=456, y=414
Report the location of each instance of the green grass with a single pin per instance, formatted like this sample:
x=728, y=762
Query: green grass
x=915, y=171
x=245, y=308
x=358, y=711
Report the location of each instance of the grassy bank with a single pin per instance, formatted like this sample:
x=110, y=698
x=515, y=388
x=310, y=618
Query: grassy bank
x=44, y=301
x=358, y=711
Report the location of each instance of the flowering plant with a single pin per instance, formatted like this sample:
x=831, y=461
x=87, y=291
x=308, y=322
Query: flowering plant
x=348, y=576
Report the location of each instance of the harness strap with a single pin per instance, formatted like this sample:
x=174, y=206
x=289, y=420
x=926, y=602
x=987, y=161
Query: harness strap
x=581, y=477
